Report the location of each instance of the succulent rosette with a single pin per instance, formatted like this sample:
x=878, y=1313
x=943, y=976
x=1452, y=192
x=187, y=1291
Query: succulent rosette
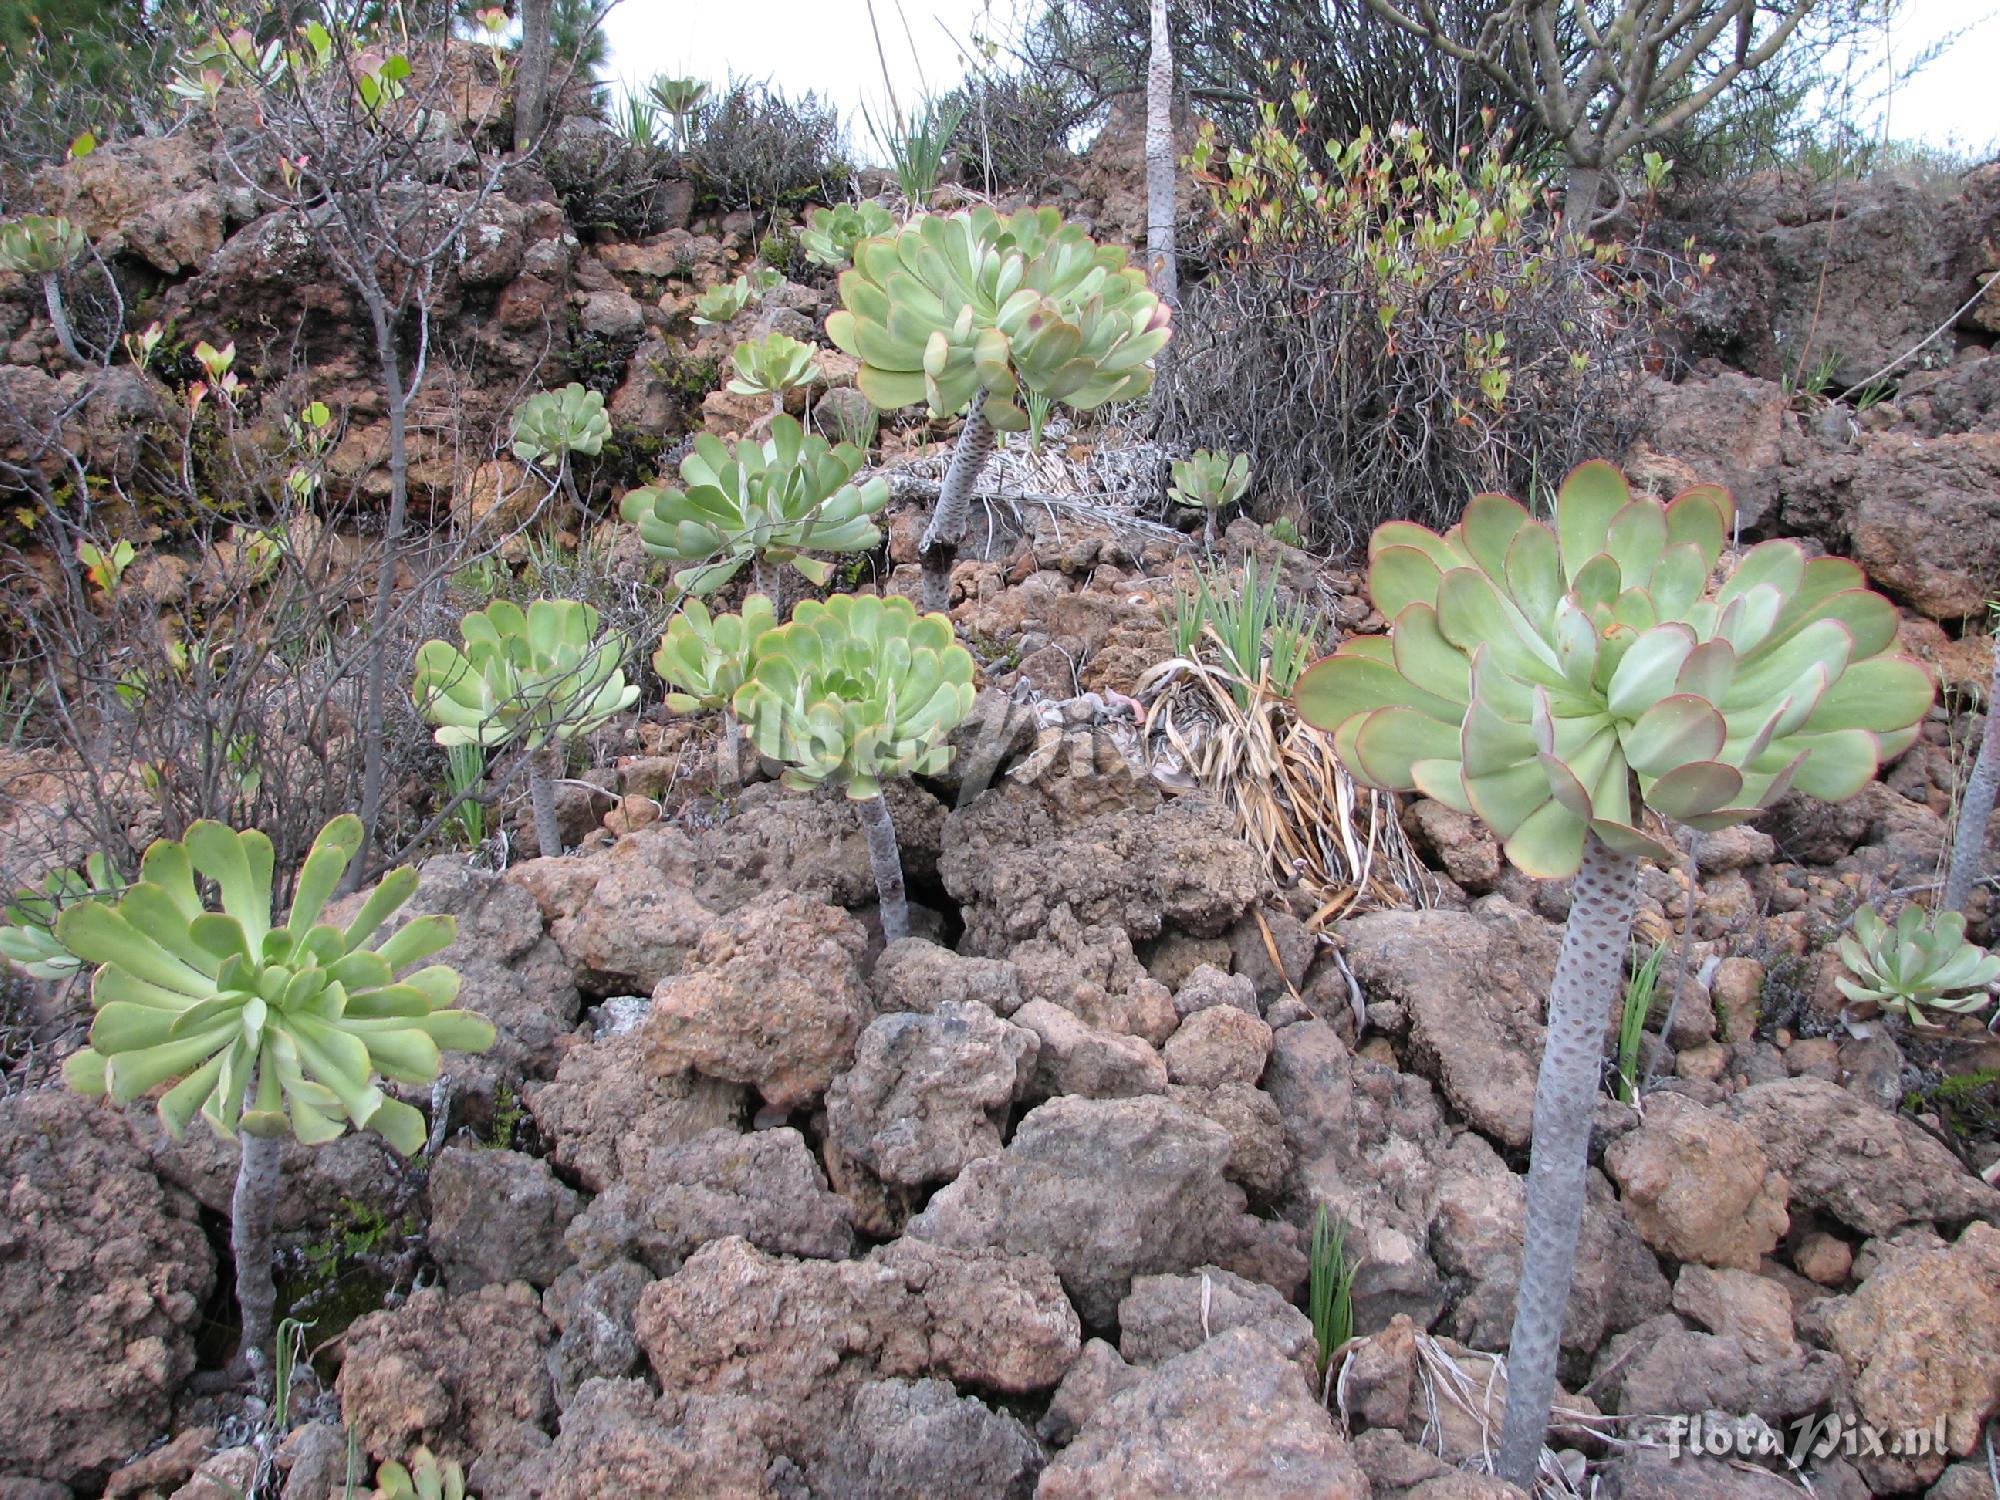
x=856, y=690
x=952, y=305
x=831, y=234
x=777, y=500
x=257, y=1026
x=772, y=365
x=555, y=423
x=1921, y=962
x=1556, y=681
x=532, y=674
x=705, y=658
x=1209, y=480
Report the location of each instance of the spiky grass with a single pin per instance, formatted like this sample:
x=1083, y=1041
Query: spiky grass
x=1330, y=1287
x=1641, y=993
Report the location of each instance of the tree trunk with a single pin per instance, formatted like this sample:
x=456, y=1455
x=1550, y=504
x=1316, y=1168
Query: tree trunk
x=1580, y=197
x=1975, y=808
x=542, y=797
x=1160, y=267
x=887, y=863
x=374, y=727
x=52, y=298
x=252, y=1208
x=954, y=503
x=531, y=85
x=1586, y=977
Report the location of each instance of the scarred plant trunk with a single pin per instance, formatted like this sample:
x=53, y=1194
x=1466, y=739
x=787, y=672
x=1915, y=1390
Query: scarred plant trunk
x=59, y=318
x=252, y=1209
x=1580, y=197
x=1586, y=978
x=1968, y=844
x=887, y=862
x=531, y=86
x=542, y=797
x=1160, y=267
x=954, y=503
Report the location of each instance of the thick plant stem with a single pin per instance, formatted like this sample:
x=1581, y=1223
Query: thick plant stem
x=59, y=318
x=1580, y=198
x=732, y=748
x=531, y=85
x=1208, y=528
x=954, y=503
x=252, y=1209
x=542, y=798
x=1161, y=270
x=887, y=863
x=1975, y=808
x=1593, y=950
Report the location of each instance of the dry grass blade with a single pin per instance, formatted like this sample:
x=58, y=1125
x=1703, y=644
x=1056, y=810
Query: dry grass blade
x=1317, y=832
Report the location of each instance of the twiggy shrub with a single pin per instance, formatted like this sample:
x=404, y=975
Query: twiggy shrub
x=1389, y=329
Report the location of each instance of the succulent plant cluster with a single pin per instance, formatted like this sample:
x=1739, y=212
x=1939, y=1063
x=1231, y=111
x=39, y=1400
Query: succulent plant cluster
x=39, y=244
x=705, y=658
x=531, y=675
x=425, y=1477
x=28, y=922
x=1555, y=681
x=777, y=500
x=555, y=424
x=831, y=234
x=1922, y=962
x=855, y=691
x=772, y=365
x=723, y=302
x=950, y=306
x=1209, y=481
x=263, y=1027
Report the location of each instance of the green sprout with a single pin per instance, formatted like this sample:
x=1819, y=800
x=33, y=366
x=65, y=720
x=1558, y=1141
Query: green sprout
x=1559, y=682
x=534, y=677
x=1330, y=1286
x=761, y=502
x=971, y=312
x=44, y=246
x=1209, y=481
x=723, y=303
x=1640, y=992
x=855, y=691
x=771, y=366
x=678, y=98
x=1921, y=963
x=425, y=1478
x=831, y=234
x=266, y=1030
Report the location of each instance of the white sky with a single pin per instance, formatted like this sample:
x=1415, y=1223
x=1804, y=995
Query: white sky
x=828, y=46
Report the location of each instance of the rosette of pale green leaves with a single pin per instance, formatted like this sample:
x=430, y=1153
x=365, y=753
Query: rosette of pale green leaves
x=39, y=244
x=952, y=305
x=777, y=500
x=856, y=690
x=28, y=922
x=705, y=658
x=1923, y=962
x=721, y=303
x=1209, y=480
x=425, y=1477
x=532, y=674
x=555, y=423
x=258, y=1026
x=1557, y=681
x=772, y=365
x=831, y=234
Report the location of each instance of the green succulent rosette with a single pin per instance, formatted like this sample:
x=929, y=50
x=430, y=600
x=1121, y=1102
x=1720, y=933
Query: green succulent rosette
x=1922, y=962
x=39, y=244
x=1209, y=480
x=213, y=1002
x=1556, y=681
x=533, y=674
x=28, y=922
x=778, y=499
x=705, y=658
x=952, y=305
x=721, y=303
x=771, y=365
x=831, y=234
x=554, y=423
x=855, y=691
